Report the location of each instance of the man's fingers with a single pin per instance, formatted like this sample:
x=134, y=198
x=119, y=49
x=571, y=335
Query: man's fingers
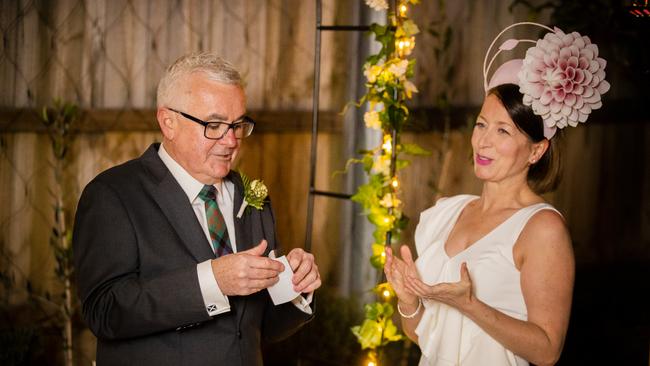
x=312, y=287
x=257, y=250
x=262, y=274
x=302, y=271
x=308, y=280
x=295, y=257
x=264, y=263
x=253, y=286
x=262, y=284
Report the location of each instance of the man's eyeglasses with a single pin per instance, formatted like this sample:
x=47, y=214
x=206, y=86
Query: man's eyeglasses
x=217, y=130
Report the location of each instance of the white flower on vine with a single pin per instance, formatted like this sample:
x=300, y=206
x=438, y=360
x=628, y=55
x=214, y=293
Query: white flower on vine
x=376, y=106
x=378, y=5
x=381, y=165
x=409, y=88
x=371, y=118
x=390, y=200
x=398, y=68
x=371, y=72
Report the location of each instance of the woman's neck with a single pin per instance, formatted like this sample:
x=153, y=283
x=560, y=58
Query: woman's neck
x=506, y=195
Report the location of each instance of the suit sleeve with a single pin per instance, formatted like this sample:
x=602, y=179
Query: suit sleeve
x=280, y=321
x=117, y=300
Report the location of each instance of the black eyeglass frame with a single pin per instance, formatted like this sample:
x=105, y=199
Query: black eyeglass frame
x=205, y=124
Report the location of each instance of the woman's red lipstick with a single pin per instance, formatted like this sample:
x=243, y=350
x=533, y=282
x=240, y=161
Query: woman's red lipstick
x=481, y=160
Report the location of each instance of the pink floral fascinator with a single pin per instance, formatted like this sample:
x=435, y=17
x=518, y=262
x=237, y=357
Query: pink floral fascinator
x=562, y=78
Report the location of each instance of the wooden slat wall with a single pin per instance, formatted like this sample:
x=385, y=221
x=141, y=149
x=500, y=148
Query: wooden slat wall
x=603, y=193
x=107, y=56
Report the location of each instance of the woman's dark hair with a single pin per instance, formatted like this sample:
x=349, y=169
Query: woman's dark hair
x=545, y=175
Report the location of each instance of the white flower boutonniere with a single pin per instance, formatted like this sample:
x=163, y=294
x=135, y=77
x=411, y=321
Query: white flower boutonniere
x=255, y=192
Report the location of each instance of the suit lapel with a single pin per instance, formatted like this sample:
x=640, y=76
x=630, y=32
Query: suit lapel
x=174, y=204
x=243, y=224
x=243, y=232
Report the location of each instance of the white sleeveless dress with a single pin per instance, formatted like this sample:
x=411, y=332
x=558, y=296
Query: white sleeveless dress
x=446, y=337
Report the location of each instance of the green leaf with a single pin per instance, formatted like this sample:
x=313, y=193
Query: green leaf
x=366, y=195
x=377, y=260
x=45, y=116
x=373, y=59
x=401, y=164
x=244, y=179
x=410, y=68
x=414, y=149
x=378, y=29
x=373, y=310
x=367, y=162
x=368, y=334
x=410, y=28
x=390, y=334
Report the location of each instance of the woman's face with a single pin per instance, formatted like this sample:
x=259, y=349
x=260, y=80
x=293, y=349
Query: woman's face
x=502, y=153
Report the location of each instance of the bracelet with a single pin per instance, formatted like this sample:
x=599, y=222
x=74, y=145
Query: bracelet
x=417, y=310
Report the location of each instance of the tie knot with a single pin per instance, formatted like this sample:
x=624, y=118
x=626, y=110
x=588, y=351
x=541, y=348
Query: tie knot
x=208, y=193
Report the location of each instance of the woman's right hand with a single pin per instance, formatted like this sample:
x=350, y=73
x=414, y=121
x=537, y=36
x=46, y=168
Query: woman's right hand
x=397, y=270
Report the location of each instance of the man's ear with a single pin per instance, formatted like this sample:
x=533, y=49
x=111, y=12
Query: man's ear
x=166, y=122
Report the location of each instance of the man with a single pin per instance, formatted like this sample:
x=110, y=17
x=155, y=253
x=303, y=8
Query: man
x=167, y=272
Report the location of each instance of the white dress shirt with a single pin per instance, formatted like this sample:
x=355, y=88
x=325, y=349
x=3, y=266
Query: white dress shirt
x=215, y=301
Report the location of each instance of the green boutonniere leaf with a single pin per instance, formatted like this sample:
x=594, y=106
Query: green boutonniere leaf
x=255, y=192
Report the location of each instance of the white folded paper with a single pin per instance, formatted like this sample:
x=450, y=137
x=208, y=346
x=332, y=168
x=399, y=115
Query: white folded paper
x=283, y=291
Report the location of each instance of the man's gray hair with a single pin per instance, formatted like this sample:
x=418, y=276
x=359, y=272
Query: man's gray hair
x=213, y=66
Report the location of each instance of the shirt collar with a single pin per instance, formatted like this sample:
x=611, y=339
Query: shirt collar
x=188, y=183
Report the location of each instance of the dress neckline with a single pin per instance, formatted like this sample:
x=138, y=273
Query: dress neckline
x=477, y=241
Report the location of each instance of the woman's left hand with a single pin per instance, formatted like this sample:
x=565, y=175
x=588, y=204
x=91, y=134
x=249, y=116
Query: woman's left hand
x=457, y=294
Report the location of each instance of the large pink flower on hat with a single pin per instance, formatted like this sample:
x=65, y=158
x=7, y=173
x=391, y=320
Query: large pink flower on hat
x=563, y=78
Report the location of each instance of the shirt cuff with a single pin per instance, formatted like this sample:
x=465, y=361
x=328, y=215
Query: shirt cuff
x=302, y=303
x=215, y=301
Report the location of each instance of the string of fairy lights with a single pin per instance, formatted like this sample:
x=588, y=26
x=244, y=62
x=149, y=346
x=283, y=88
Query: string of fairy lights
x=388, y=73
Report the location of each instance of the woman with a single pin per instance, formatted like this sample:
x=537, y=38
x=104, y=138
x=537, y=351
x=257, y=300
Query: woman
x=493, y=281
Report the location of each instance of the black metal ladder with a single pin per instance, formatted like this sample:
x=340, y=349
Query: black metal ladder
x=314, y=130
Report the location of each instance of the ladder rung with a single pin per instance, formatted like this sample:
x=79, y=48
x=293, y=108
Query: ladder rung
x=344, y=27
x=331, y=194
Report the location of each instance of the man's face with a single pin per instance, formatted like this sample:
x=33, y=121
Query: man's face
x=207, y=160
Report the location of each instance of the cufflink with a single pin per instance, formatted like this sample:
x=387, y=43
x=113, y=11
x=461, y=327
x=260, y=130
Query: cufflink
x=212, y=308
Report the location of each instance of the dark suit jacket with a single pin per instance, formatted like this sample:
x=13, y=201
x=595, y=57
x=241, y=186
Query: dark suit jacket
x=136, y=244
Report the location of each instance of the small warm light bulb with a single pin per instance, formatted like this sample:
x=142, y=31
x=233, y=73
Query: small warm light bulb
x=386, y=293
x=395, y=183
x=387, y=146
x=402, y=10
x=386, y=220
x=372, y=359
x=383, y=254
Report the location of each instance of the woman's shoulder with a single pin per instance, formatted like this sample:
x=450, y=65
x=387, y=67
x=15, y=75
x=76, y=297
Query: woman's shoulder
x=546, y=218
x=445, y=203
x=546, y=228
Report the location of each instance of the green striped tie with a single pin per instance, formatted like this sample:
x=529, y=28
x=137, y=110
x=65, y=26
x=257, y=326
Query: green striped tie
x=216, y=224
